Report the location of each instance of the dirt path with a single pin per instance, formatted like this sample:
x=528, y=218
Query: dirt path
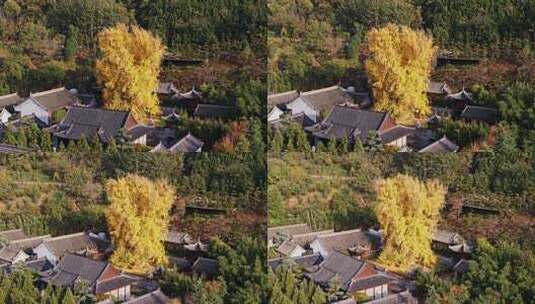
x=26, y=183
x=331, y=177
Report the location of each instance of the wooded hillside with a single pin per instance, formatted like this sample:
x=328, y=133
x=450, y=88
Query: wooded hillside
x=317, y=43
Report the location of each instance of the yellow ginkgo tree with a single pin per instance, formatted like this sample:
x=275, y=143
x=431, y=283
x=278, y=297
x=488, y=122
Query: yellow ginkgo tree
x=408, y=211
x=138, y=219
x=399, y=62
x=128, y=69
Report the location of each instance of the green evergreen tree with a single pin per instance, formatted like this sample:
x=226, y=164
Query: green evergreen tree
x=301, y=140
x=61, y=147
x=72, y=147
x=96, y=144
x=344, y=145
x=332, y=146
x=320, y=147
x=22, y=140
x=277, y=142
x=290, y=142
x=357, y=146
x=68, y=297
x=46, y=141
x=83, y=145
x=10, y=137
x=112, y=147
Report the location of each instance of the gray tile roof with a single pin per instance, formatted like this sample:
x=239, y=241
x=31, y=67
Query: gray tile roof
x=155, y=297
x=306, y=238
x=13, y=235
x=155, y=135
x=114, y=283
x=9, y=253
x=338, y=266
x=166, y=88
x=305, y=261
x=55, y=99
x=404, y=297
x=138, y=131
x=287, y=247
x=447, y=237
x=443, y=145
x=438, y=88
x=369, y=282
x=73, y=243
x=344, y=241
x=176, y=237
x=172, y=117
x=463, y=95
x=10, y=100
x=188, y=144
x=191, y=95
x=326, y=98
x=288, y=230
x=349, y=122
x=299, y=118
x=395, y=133
x=12, y=249
x=461, y=267
x=72, y=268
x=39, y=265
x=213, y=111
x=485, y=114
x=281, y=98
x=90, y=122
x=208, y=268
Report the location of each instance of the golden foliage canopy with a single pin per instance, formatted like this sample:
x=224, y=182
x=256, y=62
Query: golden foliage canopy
x=128, y=69
x=138, y=217
x=399, y=64
x=408, y=211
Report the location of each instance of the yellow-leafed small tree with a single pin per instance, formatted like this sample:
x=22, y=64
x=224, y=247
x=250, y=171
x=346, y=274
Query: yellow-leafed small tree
x=128, y=70
x=138, y=219
x=399, y=63
x=408, y=211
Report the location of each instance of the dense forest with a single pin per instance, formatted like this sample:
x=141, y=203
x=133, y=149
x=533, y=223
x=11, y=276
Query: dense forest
x=318, y=43
x=64, y=193
x=41, y=41
x=329, y=191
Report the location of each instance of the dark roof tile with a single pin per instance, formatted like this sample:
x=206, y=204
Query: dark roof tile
x=326, y=98
x=343, y=241
x=114, y=283
x=369, y=282
x=281, y=98
x=55, y=99
x=10, y=100
x=288, y=230
x=208, y=268
x=303, y=261
x=90, y=122
x=485, y=114
x=155, y=297
x=73, y=243
x=13, y=235
x=73, y=268
x=213, y=111
x=349, y=122
x=337, y=265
